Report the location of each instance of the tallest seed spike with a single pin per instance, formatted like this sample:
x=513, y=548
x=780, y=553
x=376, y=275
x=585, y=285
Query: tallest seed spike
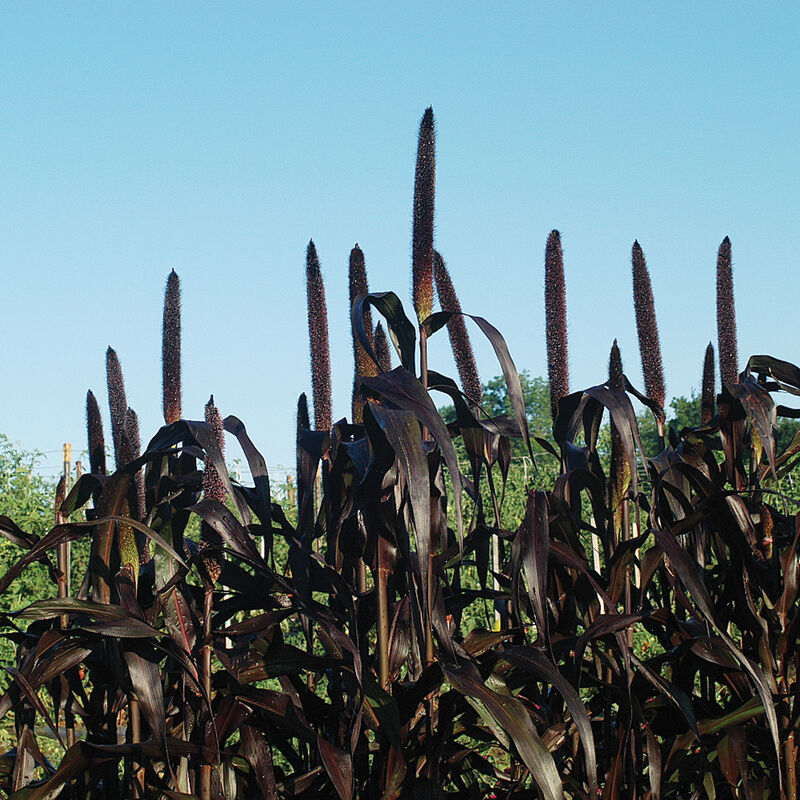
x=318, y=340
x=171, y=350
x=422, y=237
x=726, y=316
x=457, y=330
x=555, y=307
x=647, y=328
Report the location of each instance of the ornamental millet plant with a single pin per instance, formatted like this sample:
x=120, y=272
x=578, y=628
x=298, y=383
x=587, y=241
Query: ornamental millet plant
x=322, y=687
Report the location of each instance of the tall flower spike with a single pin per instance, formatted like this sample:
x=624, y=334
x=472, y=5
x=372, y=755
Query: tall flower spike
x=620, y=468
x=364, y=365
x=555, y=309
x=117, y=404
x=382, y=350
x=171, y=350
x=726, y=316
x=318, y=339
x=96, y=440
x=135, y=445
x=457, y=331
x=709, y=388
x=422, y=237
x=616, y=380
x=213, y=489
x=649, y=346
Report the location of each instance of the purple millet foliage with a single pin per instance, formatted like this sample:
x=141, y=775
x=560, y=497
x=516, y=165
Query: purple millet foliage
x=709, y=387
x=171, y=350
x=117, y=404
x=647, y=327
x=382, y=350
x=457, y=330
x=318, y=338
x=555, y=308
x=726, y=316
x=422, y=236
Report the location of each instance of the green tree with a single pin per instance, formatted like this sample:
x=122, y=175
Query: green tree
x=28, y=499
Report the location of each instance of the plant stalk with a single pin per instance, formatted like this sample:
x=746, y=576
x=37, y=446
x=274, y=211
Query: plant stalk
x=205, y=676
x=382, y=585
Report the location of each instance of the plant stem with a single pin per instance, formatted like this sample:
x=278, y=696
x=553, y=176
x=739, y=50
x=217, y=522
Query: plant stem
x=135, y=722
x=423, y=367
x=205, y=673
x=383, y=611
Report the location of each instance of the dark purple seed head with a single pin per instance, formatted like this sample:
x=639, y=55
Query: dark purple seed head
x=457, y=330
x=422, y=236
x=709, y=385
x=213, y=487
x=382, y=350
x=318, y=339
x=171, y=350
x=649, y=346
x=726, y=316
x=303, y=424
x=616, y=380
x=61, y=493
x=364, y=366
x=96, y=440
x=134, y=445
x=117, y=404
x=555, y=308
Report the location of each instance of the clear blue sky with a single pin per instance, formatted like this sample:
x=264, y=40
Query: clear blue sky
x=218, y=138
